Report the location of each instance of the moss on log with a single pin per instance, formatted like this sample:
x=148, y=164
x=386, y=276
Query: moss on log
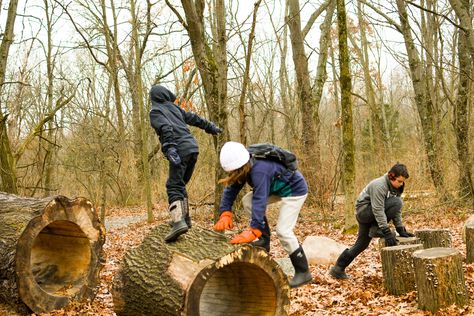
x=50, y=251
x=199, y=274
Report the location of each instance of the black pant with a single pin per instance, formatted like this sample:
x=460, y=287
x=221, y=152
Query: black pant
x=366, y=219
x=179, y=176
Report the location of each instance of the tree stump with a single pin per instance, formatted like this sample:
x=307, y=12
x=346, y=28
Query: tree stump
x=397, y=268
x=469, y=232
x=50, y=251
x=439, y=278
x=468, y=237
x=433, y=238
x=199, y=274
x=401, y=241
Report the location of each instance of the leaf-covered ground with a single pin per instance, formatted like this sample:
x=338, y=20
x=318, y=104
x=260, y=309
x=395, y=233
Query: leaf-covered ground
x=363, y=294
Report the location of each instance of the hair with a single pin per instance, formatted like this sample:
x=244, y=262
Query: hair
x=237, y=175
x=397, y=170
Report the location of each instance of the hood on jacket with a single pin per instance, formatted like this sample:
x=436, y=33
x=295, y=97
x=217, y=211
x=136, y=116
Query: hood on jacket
x=160, y=94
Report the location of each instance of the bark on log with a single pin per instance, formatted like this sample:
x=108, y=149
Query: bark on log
x=469, y=239
x=397, y=268
x=401, y=241
x=439, y=278
x=199, y=274
x=50, y=251
x=433, y=238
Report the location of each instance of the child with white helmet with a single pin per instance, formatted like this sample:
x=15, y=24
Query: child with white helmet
x=271, y=182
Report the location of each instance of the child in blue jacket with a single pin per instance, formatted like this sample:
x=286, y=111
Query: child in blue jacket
x=271, y=182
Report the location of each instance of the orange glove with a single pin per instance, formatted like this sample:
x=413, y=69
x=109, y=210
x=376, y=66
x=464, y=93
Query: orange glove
x=224, y=222
x=247, y=236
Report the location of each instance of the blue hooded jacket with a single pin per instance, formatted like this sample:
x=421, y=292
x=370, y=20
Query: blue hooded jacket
x=171, y=122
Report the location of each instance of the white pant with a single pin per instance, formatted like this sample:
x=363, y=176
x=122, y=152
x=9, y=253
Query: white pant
x=289, y=211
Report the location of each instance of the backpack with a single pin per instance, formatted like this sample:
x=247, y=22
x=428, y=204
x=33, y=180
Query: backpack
x=274, y=153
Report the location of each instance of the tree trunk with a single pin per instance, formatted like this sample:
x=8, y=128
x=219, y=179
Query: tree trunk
x=348, y=172
x=431, y=238
x=397, y=268
x=439, y=278
x=211, y=60
x=200, y=274
x=461, y=116
x=51, y=251
x=310, y=123
x=8, y=180
x=424, y=104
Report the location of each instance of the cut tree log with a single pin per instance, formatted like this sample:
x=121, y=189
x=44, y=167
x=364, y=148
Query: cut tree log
x=50, y=251
x=433, y=238
x=397, y=268
x=439, y=278
x=199, y=274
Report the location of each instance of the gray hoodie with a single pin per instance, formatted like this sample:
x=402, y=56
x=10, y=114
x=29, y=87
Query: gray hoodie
x=375, y=193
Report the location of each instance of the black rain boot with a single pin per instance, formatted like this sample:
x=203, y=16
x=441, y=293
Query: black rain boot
x=187, y=217
x=179, y=225
x=300, y=263
x=338, y=271
x=264, y=240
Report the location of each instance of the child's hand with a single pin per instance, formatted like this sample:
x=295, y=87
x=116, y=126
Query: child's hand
x=224, y=222
x=173, y=157
x=247, y=236
x=213, y=129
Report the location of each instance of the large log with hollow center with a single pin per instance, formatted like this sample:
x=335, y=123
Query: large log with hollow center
x=439, y=278
x=50, y=251
x=199, y=274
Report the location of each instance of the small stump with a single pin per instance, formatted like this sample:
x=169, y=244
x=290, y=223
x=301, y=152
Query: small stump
x=432, y=238
x=401, y=241
x=439, y=278
x=469, y=240
x=397, y=268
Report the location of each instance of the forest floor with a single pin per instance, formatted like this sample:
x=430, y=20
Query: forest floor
x=363, y=294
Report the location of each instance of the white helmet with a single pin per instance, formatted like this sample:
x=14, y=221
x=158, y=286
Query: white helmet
x=233, y=156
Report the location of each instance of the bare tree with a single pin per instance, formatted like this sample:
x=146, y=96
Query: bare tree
x=311, y=159
x=211, y=60
x=424, y=103
x=7, y=162
x=347, y=126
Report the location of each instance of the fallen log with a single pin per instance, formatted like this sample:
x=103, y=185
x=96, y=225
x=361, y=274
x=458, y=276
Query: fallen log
x=439, y=278
x=397, y=268
x=199, y=274
x=50, y=252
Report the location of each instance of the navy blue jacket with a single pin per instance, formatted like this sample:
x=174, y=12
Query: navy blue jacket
x=267, y=178
x=171, y=122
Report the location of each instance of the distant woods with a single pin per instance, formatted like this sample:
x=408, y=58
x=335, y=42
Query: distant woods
x=350, y=87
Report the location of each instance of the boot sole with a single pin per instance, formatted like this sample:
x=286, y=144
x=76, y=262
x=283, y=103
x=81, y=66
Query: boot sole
x=293, y=286
x=174, y=235
x=338, y=276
